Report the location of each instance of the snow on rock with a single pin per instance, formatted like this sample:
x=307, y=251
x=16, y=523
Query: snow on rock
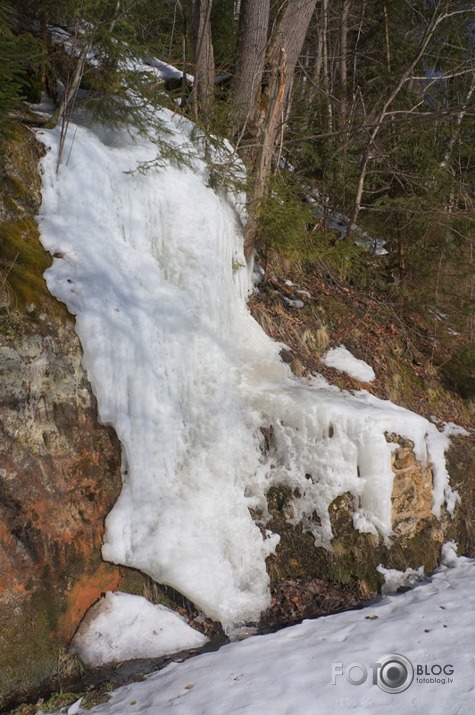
x=151, y=263
x=342, y=360
x=291, y=671
x=394, y=579
x=449, y=555
x=123, y=627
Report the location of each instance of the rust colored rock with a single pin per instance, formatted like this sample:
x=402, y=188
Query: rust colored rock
x=59, y=476
x=83, y=595
x=59, y=467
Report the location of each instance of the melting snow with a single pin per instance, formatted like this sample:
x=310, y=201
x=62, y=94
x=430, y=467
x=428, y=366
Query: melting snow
x=342, y=360
x=394, y=579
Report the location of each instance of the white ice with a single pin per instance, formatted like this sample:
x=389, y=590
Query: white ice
x=151, y=264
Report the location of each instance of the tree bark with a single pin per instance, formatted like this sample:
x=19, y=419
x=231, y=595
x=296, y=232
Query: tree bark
x=270, y=102
x=458, y=122
x=250, y=60
x=326, y=65
x=203, y=57
x=343, y=63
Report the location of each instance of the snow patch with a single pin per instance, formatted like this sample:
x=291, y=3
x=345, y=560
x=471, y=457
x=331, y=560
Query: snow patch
x=450, y=429
x=342, y=360
x=291, y=671
x=449, y=556
x=123, y=627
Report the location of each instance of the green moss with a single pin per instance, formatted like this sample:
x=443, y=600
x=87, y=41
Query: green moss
x=15, y=187
x=11, y=205
x=461, y=467
x=23, y=261
x=28, y=652
x=458, y=373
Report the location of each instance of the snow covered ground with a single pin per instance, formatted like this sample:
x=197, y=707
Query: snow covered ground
x=307, y=669
x=150, y=262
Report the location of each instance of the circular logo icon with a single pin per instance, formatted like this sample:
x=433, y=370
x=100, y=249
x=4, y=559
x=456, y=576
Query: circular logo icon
x=395, y=673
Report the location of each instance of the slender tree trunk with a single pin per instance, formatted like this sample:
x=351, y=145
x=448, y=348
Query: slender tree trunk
x=344, y=113
x=184, y=83
x=400, y=233
x=203, y=56
x=459, y=119
x=64, y=109
x=72, y=86
x=326, y=65
x=343, y=64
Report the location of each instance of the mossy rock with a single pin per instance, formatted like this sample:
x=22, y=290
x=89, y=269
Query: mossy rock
x=25, y=661
x=23, y=259
x=22, y=262
x=461, y=467
x=353, y=556
x=458, y=374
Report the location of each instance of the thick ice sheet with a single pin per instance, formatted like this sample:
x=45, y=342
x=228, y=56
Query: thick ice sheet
x=151, y=264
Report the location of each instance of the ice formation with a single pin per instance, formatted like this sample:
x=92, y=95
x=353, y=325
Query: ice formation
x=151, y=264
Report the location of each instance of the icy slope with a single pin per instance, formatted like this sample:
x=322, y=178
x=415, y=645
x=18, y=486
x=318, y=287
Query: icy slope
x=149, y=262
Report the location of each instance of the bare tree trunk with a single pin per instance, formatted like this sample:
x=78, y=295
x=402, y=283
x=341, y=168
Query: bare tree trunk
x=250, y=60
x=458, y=122
x=184, y=82
x=72, y=86
x=265, y=152
x=64, y=110
x=345, y=13
x=203, y=55
x=317, y=72
x=283, y=50
x=344, y=112
x=326, y=65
